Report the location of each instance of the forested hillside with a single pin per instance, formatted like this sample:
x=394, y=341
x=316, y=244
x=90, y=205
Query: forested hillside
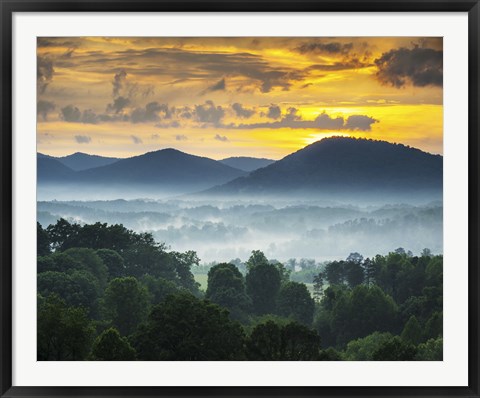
x=108, y=293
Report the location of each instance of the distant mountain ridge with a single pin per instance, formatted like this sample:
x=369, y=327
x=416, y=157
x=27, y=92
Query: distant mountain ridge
x=344, y=165
x=166, y=169
x=82, y=161
x=329, y=167
x=247, y=163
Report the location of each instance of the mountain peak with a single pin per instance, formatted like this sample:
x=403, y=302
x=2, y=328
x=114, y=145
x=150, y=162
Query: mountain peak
x=346, y=166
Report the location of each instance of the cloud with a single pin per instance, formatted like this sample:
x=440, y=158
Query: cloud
x=221, y=138
x=181, y=137
x=152, y=112
x=89, y=117
x=71, y=114
x=83, y=139
x=118, y=105
x=359, y=122
x=219, y=86
x=328, y=48
x=274, y=112
x=181, y=64
x=418, y=66
x=321, y=122
x=209, y=113
x=118, y=82
x=44, y=108
x=174, y=124
x=136, y=140
x=353, y=63
x=242, y=112
x=45, y=73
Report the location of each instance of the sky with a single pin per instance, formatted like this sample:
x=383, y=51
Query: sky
x=221, y=97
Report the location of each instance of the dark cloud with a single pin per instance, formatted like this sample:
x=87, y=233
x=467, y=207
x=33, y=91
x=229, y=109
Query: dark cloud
x=418, y=66
x=44, y=108
x=136, y=140
x=242, y=112
x=353, y=63
x=184, y=64
x=274, y=112
x=45, y=73
x=325, y=48
x=83, y=139
x=221, y=138
x=322, y=122
x=152, y=112
x=181, y=137
x=71, y=114
x=118, y=82
x=118, y=105
x=44, y=42
x=219, y=86
x=89, y=117
x=209, y=113
x=185, y=113
x=359, y=122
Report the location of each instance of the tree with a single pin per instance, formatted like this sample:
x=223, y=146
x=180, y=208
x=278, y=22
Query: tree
x=354, y=273
x=318, y=284
x=263, y=285
x=431, y=350
x=335, y=272
x=256, y=258
x=412, y=332
x=43, y=241
x=113, y=261
x=59, y=262
x=184, y=328
x=395, y=350
x=292, y=342
x=90, y=262
x=61, y=232
x=362, y=349
x=110, y=346
x=370, y=271
x=63, y=333
x=361, y=312
x=183, y=263
x=159, y=288
x=330, y=354
x=226, y=287
x=126, y=304
x=434, y=326
x=77, y=288
x=294, y=301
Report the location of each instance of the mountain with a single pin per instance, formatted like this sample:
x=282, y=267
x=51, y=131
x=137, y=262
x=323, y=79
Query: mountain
x=342, y=165
x=82, y=161
x=246, y=163
x=50, y=169
x=159, y=170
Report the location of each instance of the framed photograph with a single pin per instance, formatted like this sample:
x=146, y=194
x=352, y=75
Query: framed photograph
x=239, y=199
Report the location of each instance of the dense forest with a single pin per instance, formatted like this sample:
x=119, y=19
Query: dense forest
x=108, y=293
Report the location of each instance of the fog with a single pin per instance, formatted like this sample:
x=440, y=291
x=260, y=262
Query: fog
x=283, y=228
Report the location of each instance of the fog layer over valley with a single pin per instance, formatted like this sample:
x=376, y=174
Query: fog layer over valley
x=331, y=198
x=283, y=229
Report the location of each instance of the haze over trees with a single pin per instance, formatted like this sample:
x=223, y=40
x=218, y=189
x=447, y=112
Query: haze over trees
x=108, y=293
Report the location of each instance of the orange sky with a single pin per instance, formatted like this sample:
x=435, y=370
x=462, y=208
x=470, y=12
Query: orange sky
x=221, y=97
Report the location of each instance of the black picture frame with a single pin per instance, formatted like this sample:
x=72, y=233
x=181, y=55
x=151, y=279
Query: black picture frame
x=8, y=7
